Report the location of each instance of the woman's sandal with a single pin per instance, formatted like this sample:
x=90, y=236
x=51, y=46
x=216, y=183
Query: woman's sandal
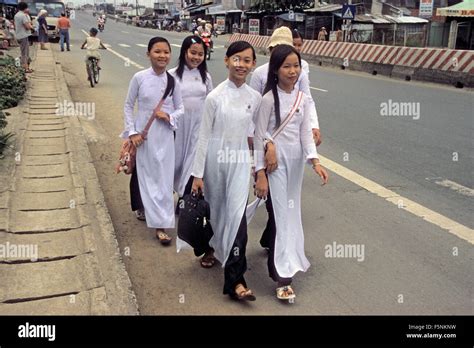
x=29, y=71
x=140, y=214
x=243, y=294
x=163, y=237
x=208, y=260
x=285, y=293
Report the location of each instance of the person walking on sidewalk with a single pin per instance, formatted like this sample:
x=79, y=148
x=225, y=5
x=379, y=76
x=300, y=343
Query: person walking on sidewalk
x=283, y=130
x=196, y=83
x=42, y=29
x=221, y=167
x=23, y=28
x=280, y=36
x=155, y=154
x=283, y=36
x=191, y=73
x=64, y=24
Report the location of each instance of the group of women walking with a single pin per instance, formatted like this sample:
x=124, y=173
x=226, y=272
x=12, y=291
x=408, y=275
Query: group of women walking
x=198, y=141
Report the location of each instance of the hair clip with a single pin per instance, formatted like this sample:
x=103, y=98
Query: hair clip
x=193, y=41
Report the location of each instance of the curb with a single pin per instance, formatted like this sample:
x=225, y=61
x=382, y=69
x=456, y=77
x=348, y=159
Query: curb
x=79, y=257
x=120, y=296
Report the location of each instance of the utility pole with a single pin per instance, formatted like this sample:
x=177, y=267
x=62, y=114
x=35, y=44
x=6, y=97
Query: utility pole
x=136, y=6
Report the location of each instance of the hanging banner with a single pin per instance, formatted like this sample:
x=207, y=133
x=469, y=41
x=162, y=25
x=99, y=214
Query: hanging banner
x=254, y=26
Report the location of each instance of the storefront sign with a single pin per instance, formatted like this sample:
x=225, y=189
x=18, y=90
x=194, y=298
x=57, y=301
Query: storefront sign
x=254, y=26
x=220, y=20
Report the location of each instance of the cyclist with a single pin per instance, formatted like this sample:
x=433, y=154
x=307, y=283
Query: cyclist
x=93, y=43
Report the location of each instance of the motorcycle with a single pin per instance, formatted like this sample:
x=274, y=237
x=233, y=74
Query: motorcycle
x=206, y=38
x=100, y=26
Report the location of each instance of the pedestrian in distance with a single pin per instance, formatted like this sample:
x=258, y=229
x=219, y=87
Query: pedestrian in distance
x=322, y=35
x=64, y=24
x=222, y=165
x=23, y=28
x=156, y=95
x=283, y=131
x=42, y=29
x=339, y=35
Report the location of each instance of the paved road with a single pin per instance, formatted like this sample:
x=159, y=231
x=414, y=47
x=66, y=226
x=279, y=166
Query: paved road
x=410, y=266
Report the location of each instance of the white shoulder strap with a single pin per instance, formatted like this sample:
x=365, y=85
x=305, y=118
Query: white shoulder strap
x=287, y=120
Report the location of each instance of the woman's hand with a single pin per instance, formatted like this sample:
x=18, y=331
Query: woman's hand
x=317, y=136
x=261, y=186
x=136, y=139
x=198, y=185
x=161, y=115
x=271, y=158
x=319, y=169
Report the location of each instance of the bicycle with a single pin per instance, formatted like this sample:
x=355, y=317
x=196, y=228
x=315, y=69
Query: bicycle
x=92, y=71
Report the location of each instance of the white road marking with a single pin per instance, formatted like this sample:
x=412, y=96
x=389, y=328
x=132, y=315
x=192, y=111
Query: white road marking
x=125, y=32
x=416, y=209
x=463, y=190
x=142, y=45
x=123, y=45
x=319, y=89
x=126, y=59
x=175, y=45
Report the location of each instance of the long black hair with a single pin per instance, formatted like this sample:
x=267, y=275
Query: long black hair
x=170, y=79
x=187, y=43
x=279, y=54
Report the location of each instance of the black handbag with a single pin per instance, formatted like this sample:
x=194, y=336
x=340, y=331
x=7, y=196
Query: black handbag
x=194, y=225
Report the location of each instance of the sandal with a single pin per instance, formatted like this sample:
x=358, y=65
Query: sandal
x=140, y=214
x=243, y=294
x=285, y=293
x=29, y=71
x=163, y=237
x=208, y=260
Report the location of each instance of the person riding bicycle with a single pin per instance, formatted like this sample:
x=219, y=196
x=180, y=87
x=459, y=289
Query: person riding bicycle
x=93, y=43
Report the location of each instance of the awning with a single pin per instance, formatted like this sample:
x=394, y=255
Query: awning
x=9, y=2
x=200, y=8
x=324, y=8
x=298, y=17
x=215, y=10
x=463, y=9
x=386, y=19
